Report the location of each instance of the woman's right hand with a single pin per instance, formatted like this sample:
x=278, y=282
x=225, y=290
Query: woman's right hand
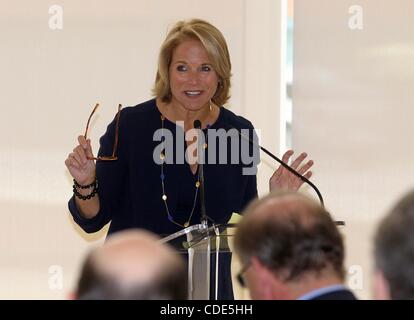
x=82, y=169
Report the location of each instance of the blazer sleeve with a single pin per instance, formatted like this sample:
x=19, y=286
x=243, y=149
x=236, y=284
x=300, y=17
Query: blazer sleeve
x=250, y=170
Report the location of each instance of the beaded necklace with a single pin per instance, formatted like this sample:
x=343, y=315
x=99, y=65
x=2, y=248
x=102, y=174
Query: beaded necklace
x=162, y=177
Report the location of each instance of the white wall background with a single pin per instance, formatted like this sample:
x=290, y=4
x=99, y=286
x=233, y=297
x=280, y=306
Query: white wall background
x=49, y=81
x=352, y=100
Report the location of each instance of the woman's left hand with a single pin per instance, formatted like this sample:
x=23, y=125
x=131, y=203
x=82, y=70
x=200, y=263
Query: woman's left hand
x=283, y=179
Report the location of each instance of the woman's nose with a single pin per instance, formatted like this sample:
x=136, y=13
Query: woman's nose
x=193, y=77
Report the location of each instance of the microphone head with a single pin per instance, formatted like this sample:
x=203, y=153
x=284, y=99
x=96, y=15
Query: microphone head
x=197, y=124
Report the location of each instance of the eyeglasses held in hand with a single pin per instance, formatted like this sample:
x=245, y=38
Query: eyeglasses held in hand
x=113, y=156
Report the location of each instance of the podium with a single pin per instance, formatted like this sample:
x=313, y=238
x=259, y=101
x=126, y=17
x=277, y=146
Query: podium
x=203, y=244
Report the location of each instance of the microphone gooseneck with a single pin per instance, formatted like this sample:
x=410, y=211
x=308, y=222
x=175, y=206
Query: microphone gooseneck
x=296, y=173
x=197, y=124
x=204, y=217
x=304, y=179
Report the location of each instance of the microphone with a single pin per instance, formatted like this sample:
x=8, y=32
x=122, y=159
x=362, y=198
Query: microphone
x=304, y=179
x=296, y=173
x=204, y=217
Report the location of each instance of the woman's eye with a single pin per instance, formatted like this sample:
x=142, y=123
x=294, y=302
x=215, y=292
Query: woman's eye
x=181, y=68
x=206, y=68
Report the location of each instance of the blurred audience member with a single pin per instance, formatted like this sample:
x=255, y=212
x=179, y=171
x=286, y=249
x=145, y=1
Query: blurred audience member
x=133, y=265
x=394, y=252
x=290, y=248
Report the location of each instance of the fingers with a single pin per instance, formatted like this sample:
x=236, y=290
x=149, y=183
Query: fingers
x=76, y=159
x=79, y=157
x=72, y=162
x=306, y=167
x=299, y=182
x=89, y=152
x=79, y=154
x=85, y=144
x=298, y=160
x=68, y=163
x=307, y=176
x=277, y=173
x=287, y=156
x=295, y=164
x=82, y=142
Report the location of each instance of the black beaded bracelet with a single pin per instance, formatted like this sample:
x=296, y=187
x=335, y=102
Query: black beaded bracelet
x=77, y=185
x=87, y=197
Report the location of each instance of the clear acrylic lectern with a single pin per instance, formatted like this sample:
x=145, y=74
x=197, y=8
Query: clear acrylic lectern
x=202, y=244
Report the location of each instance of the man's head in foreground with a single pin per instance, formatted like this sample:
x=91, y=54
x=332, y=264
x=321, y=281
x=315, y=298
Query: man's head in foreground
x=290, y=248
x=133, y=264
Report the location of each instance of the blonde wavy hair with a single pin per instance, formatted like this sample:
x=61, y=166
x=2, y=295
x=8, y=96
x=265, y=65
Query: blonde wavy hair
x=214, y=43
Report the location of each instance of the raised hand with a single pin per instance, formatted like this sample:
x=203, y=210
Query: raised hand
x=81, y=168
x=283, y=179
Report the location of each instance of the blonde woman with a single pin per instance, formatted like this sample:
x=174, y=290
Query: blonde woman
x=137, y=190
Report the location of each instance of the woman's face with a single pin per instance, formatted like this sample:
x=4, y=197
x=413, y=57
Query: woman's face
x=193, y=81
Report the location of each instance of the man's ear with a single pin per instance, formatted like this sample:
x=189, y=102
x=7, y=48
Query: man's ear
x=255, y=262
x=258, y=266
x=381, y=286
x=264, y=279
x=72, y=296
